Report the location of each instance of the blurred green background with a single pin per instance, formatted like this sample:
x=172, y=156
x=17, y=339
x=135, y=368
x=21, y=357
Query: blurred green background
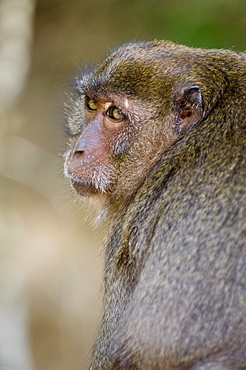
x=51, y=257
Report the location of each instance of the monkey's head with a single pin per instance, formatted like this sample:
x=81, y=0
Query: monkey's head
x=129, y=110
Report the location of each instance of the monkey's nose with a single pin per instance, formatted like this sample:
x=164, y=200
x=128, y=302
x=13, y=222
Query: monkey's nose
x=79, y=152
x=79, y=148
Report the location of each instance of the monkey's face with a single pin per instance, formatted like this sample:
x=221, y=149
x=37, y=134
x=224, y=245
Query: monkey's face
x=103, y=130
x=123, y=116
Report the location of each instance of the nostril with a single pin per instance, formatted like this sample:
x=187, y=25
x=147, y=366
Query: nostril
x=79, y=152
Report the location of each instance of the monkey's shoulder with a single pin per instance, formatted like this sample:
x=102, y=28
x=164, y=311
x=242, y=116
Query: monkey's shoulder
x=179, y=197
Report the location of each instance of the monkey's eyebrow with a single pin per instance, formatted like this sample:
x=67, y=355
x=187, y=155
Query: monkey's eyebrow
x=82, y=84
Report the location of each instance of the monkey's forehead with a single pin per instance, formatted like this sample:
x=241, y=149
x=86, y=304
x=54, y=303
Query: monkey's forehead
x=143, y=69
x=136, y=70
x=139, y=67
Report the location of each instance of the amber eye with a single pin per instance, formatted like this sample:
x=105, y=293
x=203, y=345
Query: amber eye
x=91, y=104
x=115, y=113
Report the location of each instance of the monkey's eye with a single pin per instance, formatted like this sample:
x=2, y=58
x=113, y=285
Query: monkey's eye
x=115, y=113
x=91, y=104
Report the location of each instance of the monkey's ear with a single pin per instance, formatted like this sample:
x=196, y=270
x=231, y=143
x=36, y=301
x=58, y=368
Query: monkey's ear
x=188, y=108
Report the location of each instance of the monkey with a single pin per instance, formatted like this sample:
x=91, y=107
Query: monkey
x=157, y=137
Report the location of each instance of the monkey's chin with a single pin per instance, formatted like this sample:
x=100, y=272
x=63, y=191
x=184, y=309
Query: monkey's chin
x=85, y=189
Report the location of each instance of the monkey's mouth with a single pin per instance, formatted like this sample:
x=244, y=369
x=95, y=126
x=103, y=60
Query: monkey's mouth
x=84, y=188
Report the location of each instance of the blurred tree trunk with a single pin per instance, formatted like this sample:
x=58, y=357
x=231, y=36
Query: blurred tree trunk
x=16, y=31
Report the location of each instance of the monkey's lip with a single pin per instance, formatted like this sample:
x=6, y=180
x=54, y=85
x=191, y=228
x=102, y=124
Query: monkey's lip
x=84, y=188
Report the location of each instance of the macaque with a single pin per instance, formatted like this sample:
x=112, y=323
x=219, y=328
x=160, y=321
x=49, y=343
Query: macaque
x=157, y=136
